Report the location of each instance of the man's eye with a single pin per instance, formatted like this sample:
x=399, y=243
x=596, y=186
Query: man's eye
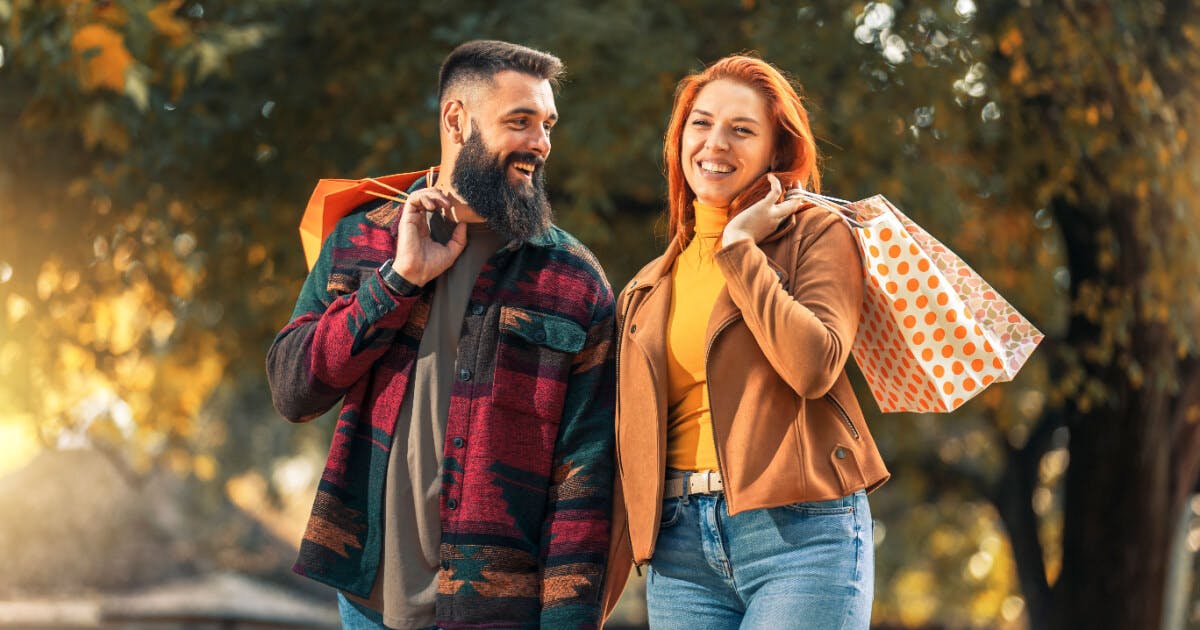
x=519, y=123
x=549, y=129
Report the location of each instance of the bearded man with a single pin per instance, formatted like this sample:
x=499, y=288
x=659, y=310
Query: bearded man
x=470, y=477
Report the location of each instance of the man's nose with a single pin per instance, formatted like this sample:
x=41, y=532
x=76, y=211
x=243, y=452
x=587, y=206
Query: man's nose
x=540, y=142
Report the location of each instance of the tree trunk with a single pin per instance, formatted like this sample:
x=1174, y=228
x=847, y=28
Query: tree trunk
x=1132, y=450
x=1012, y=498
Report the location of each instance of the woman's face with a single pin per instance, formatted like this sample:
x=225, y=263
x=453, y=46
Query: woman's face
x=728, y=139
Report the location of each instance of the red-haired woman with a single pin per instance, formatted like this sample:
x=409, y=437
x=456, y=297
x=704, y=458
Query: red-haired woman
x=743, y=457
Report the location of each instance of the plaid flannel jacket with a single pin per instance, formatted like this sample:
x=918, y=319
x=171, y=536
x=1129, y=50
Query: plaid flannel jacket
x=526, y=492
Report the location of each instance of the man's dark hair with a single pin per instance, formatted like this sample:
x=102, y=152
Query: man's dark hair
x=482, y=59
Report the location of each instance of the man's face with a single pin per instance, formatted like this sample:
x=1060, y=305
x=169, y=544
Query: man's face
x=500, y=169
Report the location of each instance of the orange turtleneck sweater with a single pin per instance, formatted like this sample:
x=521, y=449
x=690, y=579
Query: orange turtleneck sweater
x=696, y=281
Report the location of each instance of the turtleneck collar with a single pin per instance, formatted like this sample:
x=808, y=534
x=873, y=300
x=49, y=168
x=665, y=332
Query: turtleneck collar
x=710, y=220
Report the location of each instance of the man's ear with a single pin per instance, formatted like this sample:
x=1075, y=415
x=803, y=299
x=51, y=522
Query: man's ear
x=455, y=121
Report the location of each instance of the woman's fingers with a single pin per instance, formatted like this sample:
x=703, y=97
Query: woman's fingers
x=788, y=206
x=776, y=187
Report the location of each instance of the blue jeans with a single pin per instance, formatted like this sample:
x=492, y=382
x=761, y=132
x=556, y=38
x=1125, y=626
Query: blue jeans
x=358, y=617
x=801, y=566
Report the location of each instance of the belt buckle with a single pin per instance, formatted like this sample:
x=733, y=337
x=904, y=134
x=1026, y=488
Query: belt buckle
x=707, y=475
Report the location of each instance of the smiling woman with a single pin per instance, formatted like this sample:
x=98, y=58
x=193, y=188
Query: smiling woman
x=734, y=412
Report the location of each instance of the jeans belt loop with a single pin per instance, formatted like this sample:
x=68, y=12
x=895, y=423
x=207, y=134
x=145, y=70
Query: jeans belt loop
x=687, y=477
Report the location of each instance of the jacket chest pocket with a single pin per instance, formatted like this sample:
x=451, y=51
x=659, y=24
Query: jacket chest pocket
x=533, y=362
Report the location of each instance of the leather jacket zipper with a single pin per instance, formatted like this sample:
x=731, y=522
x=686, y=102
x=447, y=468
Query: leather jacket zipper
x=845, y=416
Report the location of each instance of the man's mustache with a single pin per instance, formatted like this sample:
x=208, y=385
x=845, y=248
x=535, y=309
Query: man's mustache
x=529, y=158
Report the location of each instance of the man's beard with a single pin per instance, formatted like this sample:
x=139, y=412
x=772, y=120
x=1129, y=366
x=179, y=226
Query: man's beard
x=517, y=211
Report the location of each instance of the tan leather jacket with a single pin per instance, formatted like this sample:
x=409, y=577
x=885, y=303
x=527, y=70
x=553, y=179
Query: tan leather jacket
x=786, y=423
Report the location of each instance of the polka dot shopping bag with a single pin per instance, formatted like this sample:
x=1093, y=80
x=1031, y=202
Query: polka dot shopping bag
x=933, y=333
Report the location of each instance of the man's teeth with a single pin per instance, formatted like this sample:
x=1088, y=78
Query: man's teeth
x=713, y=167
x=526, y=168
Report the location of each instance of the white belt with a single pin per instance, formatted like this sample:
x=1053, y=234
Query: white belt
x=706, y=482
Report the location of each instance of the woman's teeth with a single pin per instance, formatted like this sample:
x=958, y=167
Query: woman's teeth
x=714, y=167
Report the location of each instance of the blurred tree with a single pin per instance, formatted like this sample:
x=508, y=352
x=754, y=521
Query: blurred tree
x=157, y=155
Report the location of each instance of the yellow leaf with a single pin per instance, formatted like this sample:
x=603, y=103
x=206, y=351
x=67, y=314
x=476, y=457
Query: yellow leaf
x=103, y=55
x=1011, y=41
x=205, y=467
x=162, y=16
x=1019, y=72
x=256, y=254
x=137, y=89
x=18, y=308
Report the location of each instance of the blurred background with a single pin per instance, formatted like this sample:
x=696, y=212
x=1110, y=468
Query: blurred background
x=155, y=158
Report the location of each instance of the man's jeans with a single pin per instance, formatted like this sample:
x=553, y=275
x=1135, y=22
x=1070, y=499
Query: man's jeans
x=802, y=566
x=357, y=617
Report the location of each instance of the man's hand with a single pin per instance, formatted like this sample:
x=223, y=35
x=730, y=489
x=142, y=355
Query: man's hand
x=419, y=258
x=759, y=220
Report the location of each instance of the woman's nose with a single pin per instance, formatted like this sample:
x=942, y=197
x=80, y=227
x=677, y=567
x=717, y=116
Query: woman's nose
x=716, y=141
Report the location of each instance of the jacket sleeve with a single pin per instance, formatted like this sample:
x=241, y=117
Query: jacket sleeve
x=806, y=333
x=332, y=340
x=575, y=532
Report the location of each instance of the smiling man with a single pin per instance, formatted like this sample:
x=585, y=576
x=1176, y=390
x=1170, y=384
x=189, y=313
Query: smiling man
x=470, y=476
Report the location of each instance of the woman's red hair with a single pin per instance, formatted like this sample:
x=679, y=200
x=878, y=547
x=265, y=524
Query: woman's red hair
x=795, y=149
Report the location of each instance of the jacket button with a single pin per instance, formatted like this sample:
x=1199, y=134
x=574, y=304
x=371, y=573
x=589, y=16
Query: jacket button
x=458, y=442
x=633, y=329
x=840, y=453
x=452, y=504
x=477, y=309
x=464, y=374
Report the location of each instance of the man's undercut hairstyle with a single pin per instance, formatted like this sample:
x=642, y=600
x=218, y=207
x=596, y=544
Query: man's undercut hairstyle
x=480, y=60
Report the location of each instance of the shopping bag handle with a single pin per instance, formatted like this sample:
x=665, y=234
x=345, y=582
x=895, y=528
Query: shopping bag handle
x=834, y=204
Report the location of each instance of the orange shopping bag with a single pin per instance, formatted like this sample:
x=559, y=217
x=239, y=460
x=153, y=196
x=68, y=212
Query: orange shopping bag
x=933, y=333
x=335, y=198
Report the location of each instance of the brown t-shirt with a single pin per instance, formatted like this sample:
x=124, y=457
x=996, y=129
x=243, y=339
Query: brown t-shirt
x=406, y=585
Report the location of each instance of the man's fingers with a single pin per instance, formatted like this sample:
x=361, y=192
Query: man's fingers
x=429, y=203
x=426, y=200
x=458, y=240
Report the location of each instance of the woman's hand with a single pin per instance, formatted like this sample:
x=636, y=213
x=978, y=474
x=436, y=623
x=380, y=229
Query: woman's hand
x=760, y=219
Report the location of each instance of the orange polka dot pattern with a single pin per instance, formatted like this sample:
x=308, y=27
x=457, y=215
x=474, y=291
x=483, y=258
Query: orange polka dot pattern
x=933, y=333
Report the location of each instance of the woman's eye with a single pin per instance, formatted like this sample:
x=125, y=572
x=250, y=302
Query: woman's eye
x=743, y=130
x=700, y=123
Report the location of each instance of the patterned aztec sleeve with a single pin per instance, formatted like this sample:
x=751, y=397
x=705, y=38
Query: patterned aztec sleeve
x=332, y=339
x=575, y=533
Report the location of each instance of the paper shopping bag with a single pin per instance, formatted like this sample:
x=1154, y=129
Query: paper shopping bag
x=933, y=333
x=335, y=198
